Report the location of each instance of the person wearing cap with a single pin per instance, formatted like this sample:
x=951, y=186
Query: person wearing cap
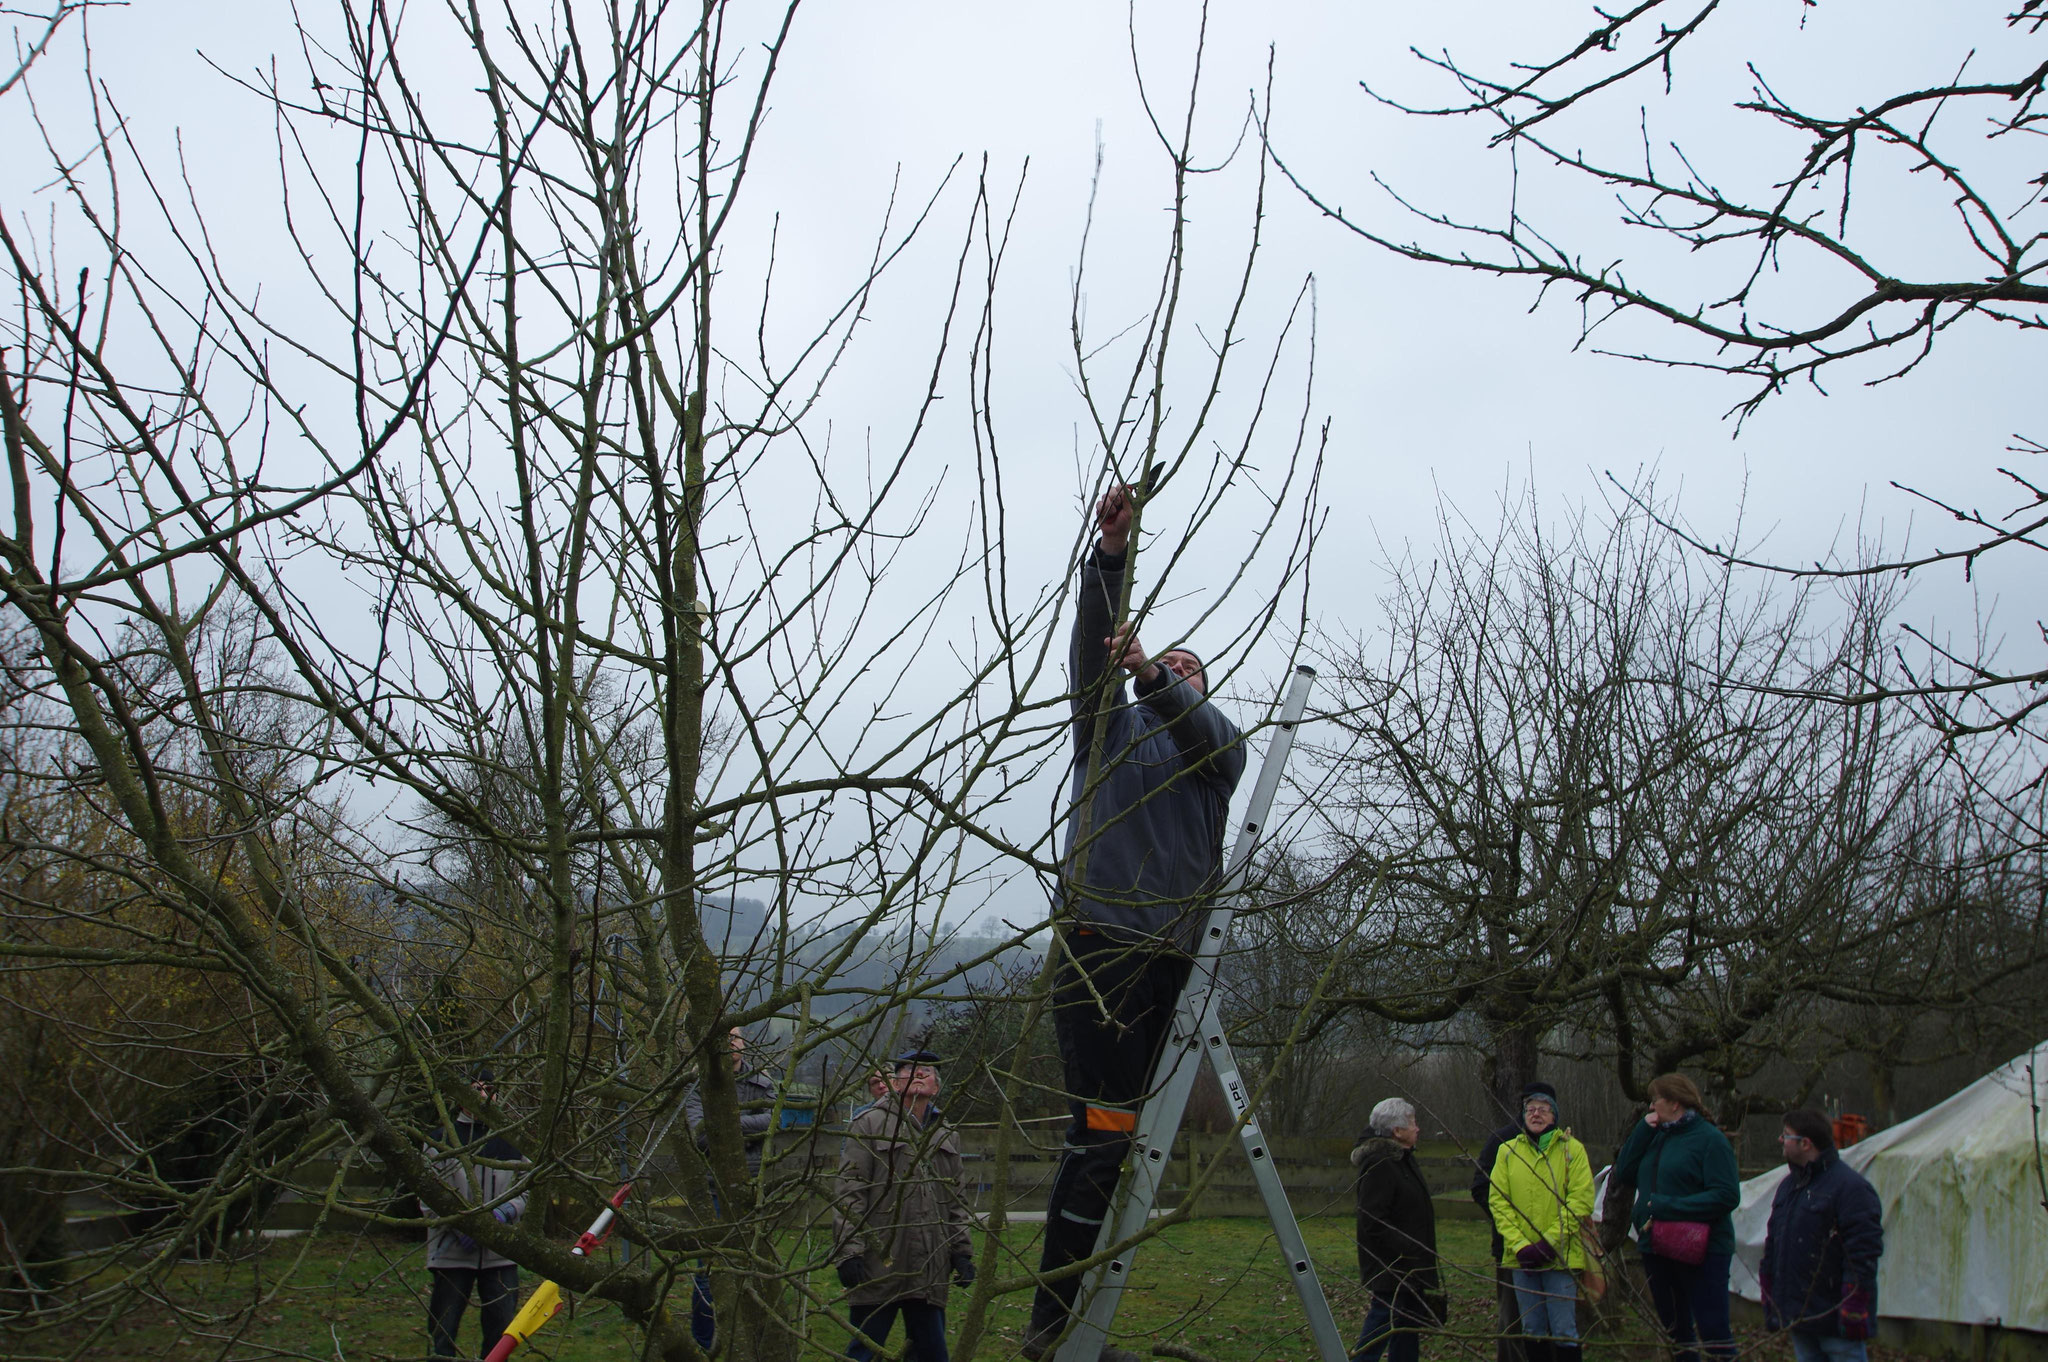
x=899, y=1216
x=1541, y=1191
x=1507, y=1337
x=1819, y=1270
x=484, y=1170
x=1144, y=850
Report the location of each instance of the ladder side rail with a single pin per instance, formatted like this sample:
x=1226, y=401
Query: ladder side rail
x=1258, y=1155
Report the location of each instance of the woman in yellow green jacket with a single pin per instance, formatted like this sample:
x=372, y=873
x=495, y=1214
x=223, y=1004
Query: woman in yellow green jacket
x=1541, y=1190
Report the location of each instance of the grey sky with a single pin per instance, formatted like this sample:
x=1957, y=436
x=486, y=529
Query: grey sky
x=1433, y=383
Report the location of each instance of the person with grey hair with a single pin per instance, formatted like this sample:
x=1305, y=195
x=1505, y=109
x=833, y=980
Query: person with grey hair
x=1396, y=1238
x=1391, y=1115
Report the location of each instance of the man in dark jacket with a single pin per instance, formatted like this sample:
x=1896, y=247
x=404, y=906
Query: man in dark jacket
x=757, y=1113
x=1144, y=850
x=1507, y=1328
x=1396, y=1238
x=478, y=1167
x=1819, y=1270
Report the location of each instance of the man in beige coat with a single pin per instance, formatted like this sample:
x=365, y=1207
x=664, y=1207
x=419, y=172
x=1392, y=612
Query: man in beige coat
x=899, y=1216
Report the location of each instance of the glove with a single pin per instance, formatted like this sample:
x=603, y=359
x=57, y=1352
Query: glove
x=963, y=1269
x=1436, y=1308
x=1535, y=1257
x=505, y=1214
x=1854, y=1319
x=853, y=1272
x=465, y=1244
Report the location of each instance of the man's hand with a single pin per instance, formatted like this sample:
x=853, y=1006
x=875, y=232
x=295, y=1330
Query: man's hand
x=1113, y=519
x=963, y=1269
x=1125, y=651
x=853, y=1272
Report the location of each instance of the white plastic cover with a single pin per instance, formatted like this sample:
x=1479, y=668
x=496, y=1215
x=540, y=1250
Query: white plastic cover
x=1965, y=1231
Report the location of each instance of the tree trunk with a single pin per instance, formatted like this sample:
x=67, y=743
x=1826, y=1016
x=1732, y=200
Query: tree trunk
x=1511, y=1062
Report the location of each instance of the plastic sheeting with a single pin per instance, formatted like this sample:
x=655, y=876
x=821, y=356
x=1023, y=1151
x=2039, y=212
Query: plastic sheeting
x=1965, y=1231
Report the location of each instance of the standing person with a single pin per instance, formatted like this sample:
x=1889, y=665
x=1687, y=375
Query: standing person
x=1396, y=1238
x=757, y=1111
x=1683, y=1170
x=1540, y=1192
x=1507, y=1307
x=1820, y=1254
x=877, y=1086
x=899, y=1216
x=480, y=1168
x=1144, y=848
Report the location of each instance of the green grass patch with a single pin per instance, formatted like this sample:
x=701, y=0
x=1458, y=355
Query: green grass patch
x=1214, y=1287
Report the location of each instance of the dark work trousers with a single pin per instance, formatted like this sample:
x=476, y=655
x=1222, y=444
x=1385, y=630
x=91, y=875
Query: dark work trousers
x=1391, y=1328
x=924, y=1330
x=1108, y=1049
x=1692, y=1304
x=1507, y=1324
x=497, y=1292
x=703, y=1324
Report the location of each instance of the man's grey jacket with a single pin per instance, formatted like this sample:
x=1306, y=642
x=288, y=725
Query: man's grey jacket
x=1153, y=843
x=757, y=1103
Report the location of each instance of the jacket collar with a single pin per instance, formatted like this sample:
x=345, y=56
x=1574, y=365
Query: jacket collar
x=891, y=1104
x=1824, y=1160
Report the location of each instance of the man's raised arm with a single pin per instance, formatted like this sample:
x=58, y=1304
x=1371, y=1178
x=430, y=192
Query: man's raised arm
x=1102, y=582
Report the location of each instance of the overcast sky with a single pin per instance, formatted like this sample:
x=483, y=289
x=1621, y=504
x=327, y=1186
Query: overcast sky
x=1435, y=385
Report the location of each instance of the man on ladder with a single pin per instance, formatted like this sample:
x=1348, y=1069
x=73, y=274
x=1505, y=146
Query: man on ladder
x=1144, y=850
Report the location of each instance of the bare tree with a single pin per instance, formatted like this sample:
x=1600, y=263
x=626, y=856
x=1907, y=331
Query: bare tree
x=629, y=638
x=1593, y=803
x=1784, y=271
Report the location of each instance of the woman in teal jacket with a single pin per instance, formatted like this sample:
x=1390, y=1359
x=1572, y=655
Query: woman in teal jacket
x=1683, y=1170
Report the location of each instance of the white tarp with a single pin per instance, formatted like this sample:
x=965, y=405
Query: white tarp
x=1965, y=1233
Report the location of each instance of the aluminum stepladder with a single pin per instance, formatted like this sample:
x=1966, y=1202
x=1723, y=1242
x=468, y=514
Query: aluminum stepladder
x=1195, y=1038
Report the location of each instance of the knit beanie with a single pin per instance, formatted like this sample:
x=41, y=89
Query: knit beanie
x=1547, y=1095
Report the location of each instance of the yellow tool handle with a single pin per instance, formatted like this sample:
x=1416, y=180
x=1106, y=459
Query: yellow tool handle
x=540, y=1307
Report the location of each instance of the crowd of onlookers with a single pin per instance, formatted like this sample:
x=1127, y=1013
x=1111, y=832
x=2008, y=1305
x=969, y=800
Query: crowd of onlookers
x=901, y=1227
x=1672, y=1188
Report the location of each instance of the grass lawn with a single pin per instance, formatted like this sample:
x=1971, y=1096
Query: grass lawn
x=1212, y=1287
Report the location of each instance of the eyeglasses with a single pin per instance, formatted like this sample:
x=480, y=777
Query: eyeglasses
x=1789, y=1138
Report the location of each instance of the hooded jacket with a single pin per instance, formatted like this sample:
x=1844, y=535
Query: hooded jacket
x=1156, y=817
x=457, y=1163
x=1826, y=1232
x=1541, y=1193
x=1396, y=1219
x=898, y=1204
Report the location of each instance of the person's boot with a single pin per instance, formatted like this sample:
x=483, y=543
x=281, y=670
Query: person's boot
x=1538, y=1349
x=1567, y=1352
